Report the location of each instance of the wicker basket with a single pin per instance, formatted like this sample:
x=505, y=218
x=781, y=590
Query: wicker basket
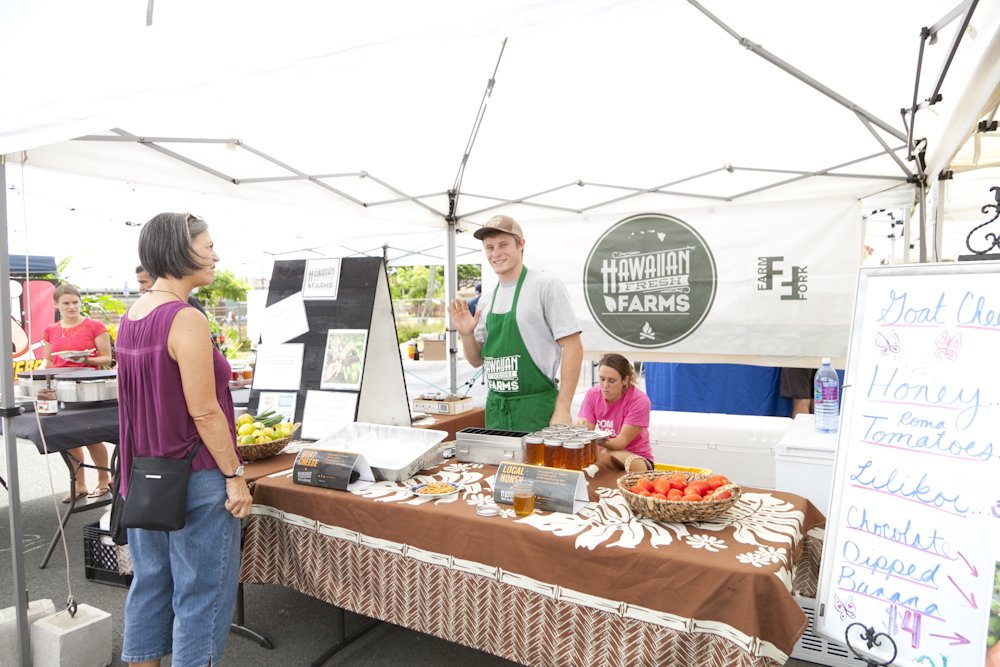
x=675, y=510
x=267, y=449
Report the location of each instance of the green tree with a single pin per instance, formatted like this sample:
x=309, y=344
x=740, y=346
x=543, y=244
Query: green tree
x=410, y=282
x=225, y=286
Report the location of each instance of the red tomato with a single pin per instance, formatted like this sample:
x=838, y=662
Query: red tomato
x=636, y=489
x=661, y=485
x=724, y=494
x=658, y=495
x=715, y=481
x=646, y=493
x=693, y=491
x=674, y=494
x=701, y=485
x=691, y=498
x=647, y=484
x=678, y=482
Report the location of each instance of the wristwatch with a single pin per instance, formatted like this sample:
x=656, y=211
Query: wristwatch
x=238, y=473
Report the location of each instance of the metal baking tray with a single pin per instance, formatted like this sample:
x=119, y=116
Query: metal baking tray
x=489, y=446
x=427, y=458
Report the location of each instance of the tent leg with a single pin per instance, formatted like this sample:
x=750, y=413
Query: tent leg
x=937, y=208
x=7, y=408
x=451, y=292
x=922, y=198
x=906, y=235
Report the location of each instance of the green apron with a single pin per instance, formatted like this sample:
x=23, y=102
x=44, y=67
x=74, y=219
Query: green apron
x=521, y=397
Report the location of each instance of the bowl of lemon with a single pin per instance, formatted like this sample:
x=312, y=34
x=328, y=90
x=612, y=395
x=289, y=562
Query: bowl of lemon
x=264, y=435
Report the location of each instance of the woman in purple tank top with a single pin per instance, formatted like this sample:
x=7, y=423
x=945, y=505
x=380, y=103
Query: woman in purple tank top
x=174, y=386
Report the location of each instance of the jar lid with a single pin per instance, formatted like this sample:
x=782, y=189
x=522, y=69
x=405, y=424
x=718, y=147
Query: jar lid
x=488, y=509
x=559, y=426
x=554, y=442
x=576, y=444
x=534, y=439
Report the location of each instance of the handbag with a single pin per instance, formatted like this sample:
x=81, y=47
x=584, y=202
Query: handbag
x=157, y=492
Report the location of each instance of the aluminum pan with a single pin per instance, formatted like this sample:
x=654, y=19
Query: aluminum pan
x=429, y=437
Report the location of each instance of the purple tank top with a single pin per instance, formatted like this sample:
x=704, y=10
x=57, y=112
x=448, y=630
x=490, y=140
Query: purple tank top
x=149, y=384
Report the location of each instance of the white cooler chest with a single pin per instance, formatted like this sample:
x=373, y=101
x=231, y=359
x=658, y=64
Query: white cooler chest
x=804, y=462
x=741, y=447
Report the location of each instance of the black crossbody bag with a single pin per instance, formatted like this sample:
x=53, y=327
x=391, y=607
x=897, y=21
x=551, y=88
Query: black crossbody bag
x=157, y=492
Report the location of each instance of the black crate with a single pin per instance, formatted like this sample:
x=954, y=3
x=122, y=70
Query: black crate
x=100, y=561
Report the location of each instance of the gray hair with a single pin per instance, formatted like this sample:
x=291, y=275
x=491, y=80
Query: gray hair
x=166, y=245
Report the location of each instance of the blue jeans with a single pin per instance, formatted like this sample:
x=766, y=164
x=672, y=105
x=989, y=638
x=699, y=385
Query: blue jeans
x=183, y=594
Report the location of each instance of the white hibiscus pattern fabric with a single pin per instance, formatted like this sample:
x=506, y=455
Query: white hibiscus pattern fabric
x=757, y=519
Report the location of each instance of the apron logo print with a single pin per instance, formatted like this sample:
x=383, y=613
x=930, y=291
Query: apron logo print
x=501, y=373
x=647, y=332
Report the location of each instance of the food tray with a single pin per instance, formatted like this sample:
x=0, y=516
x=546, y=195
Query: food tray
x=426, y=459
x=675, y=510
x=265, y=450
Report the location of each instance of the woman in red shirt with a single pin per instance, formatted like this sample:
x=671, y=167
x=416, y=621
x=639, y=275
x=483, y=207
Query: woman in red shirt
x=76, y=333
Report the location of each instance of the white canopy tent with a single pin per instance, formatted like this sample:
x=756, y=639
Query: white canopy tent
x=367, y=112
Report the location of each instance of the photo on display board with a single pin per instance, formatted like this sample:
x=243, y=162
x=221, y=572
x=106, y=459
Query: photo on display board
x=344, y=359
x=993, y=630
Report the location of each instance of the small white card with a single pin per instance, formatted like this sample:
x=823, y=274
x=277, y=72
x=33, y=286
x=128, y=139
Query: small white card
x=322, y=279
x=278, y=366
x=284, y=320
x=283, y=403
x=327, y=412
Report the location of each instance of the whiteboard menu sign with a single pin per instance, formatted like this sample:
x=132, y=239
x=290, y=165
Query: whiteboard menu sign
x=914, y=528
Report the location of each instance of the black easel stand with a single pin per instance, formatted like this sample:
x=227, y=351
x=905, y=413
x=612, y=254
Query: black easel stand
x=872, y=639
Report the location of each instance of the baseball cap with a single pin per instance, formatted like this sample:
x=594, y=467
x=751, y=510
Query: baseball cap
x=500, y=223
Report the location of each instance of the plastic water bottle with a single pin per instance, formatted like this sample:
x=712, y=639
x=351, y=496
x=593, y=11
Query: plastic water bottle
x=826, y=392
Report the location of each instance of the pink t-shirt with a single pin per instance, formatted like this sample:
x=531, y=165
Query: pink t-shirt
x=80, y=337
x=632, y=409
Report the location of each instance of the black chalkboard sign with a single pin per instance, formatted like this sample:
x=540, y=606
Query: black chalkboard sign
x=363, y=303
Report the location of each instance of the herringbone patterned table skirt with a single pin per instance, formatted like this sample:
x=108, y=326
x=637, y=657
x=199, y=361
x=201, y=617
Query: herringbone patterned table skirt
x=470, y=609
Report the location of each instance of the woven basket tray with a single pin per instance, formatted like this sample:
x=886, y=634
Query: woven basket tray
x=675, y=510
x=267, y=449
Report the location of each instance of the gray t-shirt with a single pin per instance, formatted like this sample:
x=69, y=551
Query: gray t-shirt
x=544, y=315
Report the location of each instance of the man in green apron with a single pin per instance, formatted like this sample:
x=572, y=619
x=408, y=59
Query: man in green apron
x=525, y=335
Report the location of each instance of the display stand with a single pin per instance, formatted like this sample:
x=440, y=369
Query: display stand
x=354, y=306
x=912, y=545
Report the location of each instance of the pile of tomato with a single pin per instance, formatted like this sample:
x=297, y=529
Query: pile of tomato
x=677, y=487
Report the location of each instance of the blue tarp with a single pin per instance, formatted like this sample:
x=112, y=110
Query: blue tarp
x=38, y=264
x=726, y=388
x=722, y=388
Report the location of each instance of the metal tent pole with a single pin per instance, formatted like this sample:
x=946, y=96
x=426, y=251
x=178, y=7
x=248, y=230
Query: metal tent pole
x=451, y=292
x=9, y=411
x=906, y=235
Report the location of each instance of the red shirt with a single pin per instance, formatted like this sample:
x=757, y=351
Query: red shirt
x=81, y=337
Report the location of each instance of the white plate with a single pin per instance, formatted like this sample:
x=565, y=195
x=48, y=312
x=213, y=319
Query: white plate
x=415, y=490
x=69, y=354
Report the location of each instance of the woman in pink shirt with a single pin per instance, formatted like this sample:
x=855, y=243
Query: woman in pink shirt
x=76, y=333
x=617, y=405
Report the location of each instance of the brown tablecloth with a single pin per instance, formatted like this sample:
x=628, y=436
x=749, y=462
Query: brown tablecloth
x=474, y=418
x=717, y=590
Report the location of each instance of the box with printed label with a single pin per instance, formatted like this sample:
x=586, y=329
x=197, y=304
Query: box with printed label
x=446, y=405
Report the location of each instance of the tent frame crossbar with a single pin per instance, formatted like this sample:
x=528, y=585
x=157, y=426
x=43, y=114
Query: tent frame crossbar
x=759, y=50
x=153, y=143
x=633, y=191
x=660, y=190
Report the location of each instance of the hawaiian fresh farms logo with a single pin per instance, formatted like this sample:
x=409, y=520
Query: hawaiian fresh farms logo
x=501, y=373
x=650, y=280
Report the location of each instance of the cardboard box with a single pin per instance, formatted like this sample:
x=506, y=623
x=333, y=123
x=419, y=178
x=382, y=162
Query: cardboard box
x=435, y=350
x=449, y=405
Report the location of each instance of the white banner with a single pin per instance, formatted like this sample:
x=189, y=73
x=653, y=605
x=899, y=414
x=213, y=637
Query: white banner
x=773, y=280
